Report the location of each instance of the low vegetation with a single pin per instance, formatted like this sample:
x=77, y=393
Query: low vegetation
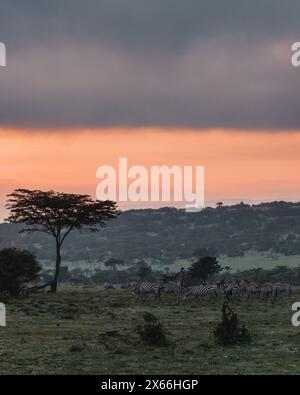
x=16, y=268
x=91, y=331
x=229, y=331
x=152, y=331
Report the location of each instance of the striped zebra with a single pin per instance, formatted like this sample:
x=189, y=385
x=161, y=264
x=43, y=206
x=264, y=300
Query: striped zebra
x=144, y=288
x=252, y=289
x=175, y=288
x=279, y=288
x=265, y=290
x=233, y=289
x=271, y=289
x=199, y=291
x=170, y=287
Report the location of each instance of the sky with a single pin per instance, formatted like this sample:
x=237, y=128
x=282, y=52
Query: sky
x=200, y=82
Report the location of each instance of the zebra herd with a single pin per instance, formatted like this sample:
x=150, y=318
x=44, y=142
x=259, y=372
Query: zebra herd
x=235, y=289
x=143, y=288
x=239, y=288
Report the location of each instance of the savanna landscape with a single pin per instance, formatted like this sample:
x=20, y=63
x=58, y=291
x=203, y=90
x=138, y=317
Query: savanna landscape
x=93, y=331
x=109, y=316
x=149, y=187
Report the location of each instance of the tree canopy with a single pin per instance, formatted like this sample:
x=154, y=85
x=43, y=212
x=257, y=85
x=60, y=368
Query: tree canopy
x=58, y=214
x=204, y=267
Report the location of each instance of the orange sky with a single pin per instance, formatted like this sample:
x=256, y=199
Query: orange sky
x=238, y=165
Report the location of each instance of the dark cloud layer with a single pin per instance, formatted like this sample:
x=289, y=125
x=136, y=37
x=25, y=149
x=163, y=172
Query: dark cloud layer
x=172, y=63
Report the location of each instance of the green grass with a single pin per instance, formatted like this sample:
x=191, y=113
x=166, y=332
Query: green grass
x=259, y=261
x=248, y=262
x=88, y=331
x=237, y=263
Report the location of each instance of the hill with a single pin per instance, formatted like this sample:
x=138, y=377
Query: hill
x=167, y=234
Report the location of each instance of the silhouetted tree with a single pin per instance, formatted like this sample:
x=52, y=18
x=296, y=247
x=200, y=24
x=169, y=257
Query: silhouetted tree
x=58, y=214
x=16, y=268
x=204, y=267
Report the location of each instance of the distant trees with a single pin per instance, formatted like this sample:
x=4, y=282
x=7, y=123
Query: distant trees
x=203, y=268
x=202, y=251
x=58, y=214
x=143, y=270
x=277, y=274
x=113, y=263
x=16, y=268
x=232, y=230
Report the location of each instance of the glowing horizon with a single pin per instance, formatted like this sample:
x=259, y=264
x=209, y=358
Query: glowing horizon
x=249, y=166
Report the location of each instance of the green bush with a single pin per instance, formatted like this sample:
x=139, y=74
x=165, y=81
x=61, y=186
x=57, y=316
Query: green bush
x=229, y=331
x=152, y=331
x=16, y=268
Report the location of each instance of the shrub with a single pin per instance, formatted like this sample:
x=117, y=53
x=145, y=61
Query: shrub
x=229, y=331
x=16, y=268
x=152, y=331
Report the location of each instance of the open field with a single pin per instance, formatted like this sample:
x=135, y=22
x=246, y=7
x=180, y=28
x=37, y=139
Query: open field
x=247, y=262
x=91, y=331
x=236, y=263
x=259, y=261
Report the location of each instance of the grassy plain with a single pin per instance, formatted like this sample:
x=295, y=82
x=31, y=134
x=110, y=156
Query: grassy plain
x=91, y=331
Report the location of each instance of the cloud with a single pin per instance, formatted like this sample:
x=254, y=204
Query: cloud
x=131, y=63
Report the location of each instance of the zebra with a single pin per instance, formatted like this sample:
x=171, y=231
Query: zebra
x=198, y=291
x=175, y=288
x=170, y=287
x=251, y=289
x=265, y=289
x=143, y=288
x=233, y=289
x=238, y=288
x=279, y=288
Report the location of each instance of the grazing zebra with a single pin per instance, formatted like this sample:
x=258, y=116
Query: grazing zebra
x=201, y=291
x=279, y=288
x=233, y=289
x=143, y=288
x=251, y=289
x=175, y=288
x=270, y=289
x=170, y=287
x=265, y=289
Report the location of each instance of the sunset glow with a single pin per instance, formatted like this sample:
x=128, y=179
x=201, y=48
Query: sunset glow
x=249, y=166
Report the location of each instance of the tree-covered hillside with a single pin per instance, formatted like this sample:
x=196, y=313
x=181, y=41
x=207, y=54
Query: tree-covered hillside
x=166, y=234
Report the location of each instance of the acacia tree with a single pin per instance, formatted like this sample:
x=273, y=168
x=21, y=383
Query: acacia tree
x=113, y=263
x=204, y=267
x=58, y=214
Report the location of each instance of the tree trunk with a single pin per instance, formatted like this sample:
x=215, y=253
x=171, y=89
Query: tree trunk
x=57, y=269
